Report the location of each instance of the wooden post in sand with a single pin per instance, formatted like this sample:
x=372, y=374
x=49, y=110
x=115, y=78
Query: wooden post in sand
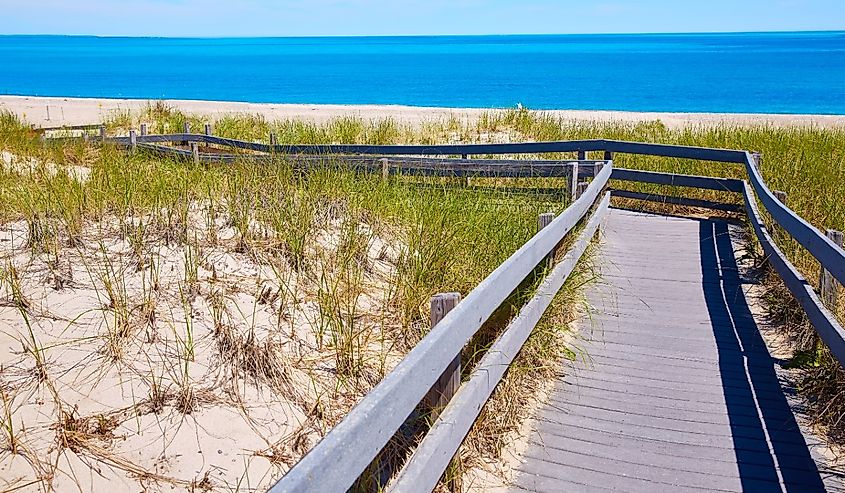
x=133, y=140
x=195, y=152
x=828, y=291
x=758, y=161
x=582, y=187
x=597, y=167
x=573, y=183
x=828, y=285
x=449, y=382
x=385, y=172
x=544, y=220
x=207, y=129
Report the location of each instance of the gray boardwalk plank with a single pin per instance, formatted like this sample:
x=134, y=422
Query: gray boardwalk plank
x=676, y=390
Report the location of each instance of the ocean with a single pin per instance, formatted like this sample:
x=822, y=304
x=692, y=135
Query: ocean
x=802, y=72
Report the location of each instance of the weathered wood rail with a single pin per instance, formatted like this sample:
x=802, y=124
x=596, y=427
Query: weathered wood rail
x=336, y=462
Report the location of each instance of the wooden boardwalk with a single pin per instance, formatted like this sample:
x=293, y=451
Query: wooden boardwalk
x=677, y=391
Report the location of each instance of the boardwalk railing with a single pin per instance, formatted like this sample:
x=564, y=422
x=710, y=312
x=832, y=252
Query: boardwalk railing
x=336, y=462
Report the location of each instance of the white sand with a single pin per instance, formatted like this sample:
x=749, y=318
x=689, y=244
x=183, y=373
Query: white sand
x=126, y=405
x=53, y=112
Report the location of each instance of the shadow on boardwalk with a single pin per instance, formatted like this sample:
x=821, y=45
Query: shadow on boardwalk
x=768, y=443
x=678, y=392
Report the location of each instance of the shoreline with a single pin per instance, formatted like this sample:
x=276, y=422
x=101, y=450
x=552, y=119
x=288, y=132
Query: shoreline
x=59, y=111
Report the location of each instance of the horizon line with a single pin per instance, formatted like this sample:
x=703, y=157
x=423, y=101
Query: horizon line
x=666, y=33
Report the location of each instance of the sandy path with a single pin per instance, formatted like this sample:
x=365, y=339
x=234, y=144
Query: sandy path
x=52, y=112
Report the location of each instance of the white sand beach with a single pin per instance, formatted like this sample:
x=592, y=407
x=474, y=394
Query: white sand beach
x=55, y=111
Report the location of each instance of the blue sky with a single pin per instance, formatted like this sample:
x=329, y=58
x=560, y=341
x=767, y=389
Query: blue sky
x=398, y=17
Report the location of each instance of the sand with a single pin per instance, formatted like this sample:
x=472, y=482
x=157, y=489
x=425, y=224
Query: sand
x=172, y=365
x=53, y=112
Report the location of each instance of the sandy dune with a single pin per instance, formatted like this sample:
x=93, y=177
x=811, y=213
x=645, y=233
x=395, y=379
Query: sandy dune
x=132, y=359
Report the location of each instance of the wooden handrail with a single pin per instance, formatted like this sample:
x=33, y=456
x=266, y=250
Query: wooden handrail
x=677, y=180
x=830, y=255
x=91, y=126
x=674, y=200
x=676, y=151
x=591, y=145
x=422, y=150
x=823, y=321
x=500, y=168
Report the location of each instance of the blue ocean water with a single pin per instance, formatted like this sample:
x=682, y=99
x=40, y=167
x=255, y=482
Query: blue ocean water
x=749, y=73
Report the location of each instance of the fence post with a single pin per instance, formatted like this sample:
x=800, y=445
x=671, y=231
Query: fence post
x=103, y=133
x=608, y=156
x=597, y=167
x=582, y=187
x=828, y=285
x=828, y=292
x=186, y=129
x=573, y=183
x=582, y=155
x=466, y=177
x=385, y=172
x=544, y=220
x=195, y=152
x=143, y=129
x=758, y=161
x=449, y=382
x=133, y=140
x=272, y=139
x=207, y=129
